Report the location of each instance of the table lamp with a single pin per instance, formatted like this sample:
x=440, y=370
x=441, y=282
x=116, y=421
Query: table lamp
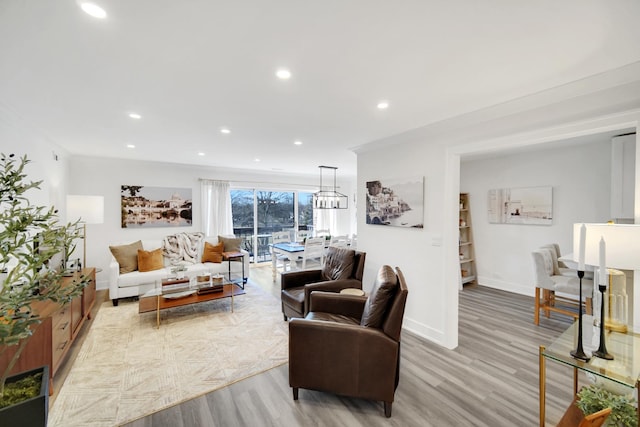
x=623, y=253
x=89, y=210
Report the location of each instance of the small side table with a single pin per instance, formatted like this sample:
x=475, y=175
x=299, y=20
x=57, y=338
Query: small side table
x=235, y=257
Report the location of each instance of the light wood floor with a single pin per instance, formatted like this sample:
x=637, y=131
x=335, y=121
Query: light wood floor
x=491, y=379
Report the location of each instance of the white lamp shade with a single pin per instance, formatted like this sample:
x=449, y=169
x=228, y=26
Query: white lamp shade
x=622, y=242
x=89, y=209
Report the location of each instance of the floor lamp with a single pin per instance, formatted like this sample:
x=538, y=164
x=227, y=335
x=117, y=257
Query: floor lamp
x=89, y=210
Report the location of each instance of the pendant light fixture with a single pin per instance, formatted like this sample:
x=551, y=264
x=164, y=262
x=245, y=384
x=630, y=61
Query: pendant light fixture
x=328, y=197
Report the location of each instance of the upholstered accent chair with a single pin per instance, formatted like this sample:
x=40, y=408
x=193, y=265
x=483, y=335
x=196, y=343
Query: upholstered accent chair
x=552, y=287
x=350, y=345
x=343, y=268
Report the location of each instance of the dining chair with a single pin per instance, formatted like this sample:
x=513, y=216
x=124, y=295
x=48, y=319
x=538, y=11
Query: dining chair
x=548, y=285
x=281, y=237
x=313, y=250
x=322, y=233
x=301, y=235
x=353, y=242
x=340, y=241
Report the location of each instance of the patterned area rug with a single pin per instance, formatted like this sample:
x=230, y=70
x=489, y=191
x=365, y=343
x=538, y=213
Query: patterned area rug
x=127, y=368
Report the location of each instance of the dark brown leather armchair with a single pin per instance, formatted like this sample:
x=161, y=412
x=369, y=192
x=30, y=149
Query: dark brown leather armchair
x=343, y=268
x=350, y=345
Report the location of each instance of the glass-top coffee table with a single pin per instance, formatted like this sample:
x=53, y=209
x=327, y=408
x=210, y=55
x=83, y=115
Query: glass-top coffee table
x=173, y=292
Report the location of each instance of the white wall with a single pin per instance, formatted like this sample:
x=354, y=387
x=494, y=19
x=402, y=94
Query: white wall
x=48, y=161
x=103, y=176
x=416, y=251
x=581, y=179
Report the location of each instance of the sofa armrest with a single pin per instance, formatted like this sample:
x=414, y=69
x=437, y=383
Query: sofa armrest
x=294, y=279
x=331, y=302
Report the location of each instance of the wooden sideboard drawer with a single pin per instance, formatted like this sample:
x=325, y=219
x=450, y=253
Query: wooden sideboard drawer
x=50, y=342
x=62, y=315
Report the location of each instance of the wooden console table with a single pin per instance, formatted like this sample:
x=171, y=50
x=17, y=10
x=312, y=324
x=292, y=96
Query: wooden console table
x=623, y=370
x=52, y=339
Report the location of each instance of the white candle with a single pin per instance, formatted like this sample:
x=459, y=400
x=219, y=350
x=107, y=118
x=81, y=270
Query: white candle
x=603, y=262
x=583, y=243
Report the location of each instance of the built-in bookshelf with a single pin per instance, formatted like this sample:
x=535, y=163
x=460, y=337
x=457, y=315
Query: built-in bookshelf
x=465, y=242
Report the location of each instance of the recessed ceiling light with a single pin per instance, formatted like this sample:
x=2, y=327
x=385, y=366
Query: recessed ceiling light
x=200, y=153
x=131, y=146
x=135, y=116
x=297, y=142
x=383, y=105
x=93, y=10
x=256, y=160
x=225, y=130
x=283, y=74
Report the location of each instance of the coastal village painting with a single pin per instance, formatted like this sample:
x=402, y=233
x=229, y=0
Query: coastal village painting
x=396, y=202
x=155, y=206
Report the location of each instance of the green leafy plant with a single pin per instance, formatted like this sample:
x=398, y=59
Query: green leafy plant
x=30, y=238
x=593, y=398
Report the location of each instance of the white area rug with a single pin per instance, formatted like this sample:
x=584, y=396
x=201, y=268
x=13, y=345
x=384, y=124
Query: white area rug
x=127, y=368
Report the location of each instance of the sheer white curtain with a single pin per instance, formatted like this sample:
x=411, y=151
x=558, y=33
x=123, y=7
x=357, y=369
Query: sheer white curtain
x=216, y=208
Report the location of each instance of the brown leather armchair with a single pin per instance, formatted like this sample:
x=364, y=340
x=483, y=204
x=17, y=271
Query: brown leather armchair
x=350, y=345
x=343, y=268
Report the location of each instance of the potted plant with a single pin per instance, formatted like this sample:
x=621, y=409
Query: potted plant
x=594, y=398
x=30, y=239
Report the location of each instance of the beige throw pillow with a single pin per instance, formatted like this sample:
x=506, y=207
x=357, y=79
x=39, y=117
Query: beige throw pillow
x=127, y=256
x=231, y=244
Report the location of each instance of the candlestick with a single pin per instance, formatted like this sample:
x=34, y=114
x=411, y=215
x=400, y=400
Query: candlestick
x=579, y=353
x=582, y=248
x=602, y=352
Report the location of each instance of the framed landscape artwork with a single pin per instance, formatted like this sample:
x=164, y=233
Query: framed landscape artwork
x=144, y=207
x=397, y=202
x=529, y=205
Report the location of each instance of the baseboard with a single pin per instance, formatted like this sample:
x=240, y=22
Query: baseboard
x=516, y=288
x=423, y=331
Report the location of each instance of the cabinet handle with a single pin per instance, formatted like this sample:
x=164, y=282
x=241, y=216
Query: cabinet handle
x=62, y=346
x=63, y=327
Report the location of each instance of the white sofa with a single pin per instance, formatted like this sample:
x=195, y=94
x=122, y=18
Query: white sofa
x=136, y=283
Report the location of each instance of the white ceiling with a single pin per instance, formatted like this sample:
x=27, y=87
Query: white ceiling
x=190, y=67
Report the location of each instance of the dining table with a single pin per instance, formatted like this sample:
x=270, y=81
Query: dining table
x=290, y=250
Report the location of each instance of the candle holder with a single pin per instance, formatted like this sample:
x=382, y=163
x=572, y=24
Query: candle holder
x=579, y=353
x=602, y=352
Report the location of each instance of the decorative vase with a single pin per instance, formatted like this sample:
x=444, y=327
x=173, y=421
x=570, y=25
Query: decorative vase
x=32, y=412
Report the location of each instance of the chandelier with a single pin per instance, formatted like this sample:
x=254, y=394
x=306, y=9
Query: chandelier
x=328, y=197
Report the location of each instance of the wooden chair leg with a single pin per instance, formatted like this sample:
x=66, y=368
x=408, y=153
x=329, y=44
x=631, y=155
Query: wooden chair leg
x=549, y=301
x=295, y=393
x=536, y=314
x=387, y=409
x=588, y=306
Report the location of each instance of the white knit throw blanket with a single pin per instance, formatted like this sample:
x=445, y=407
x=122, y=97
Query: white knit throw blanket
x=182, y=247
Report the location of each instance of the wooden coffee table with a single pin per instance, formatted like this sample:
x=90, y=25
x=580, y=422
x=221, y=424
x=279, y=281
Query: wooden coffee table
x=177, y=293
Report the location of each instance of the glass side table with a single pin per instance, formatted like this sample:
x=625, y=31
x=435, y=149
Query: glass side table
x=624, y=369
